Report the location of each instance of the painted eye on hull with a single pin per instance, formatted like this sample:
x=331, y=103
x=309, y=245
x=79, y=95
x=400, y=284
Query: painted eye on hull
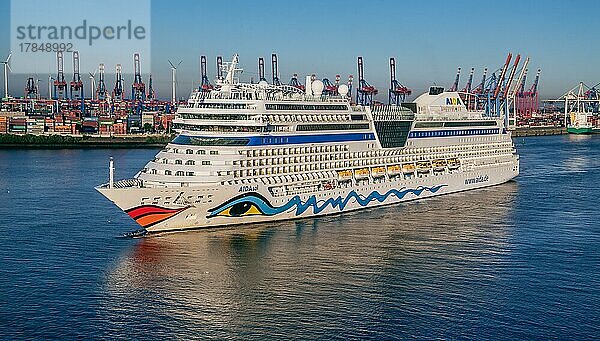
x=242, y=209
x=245, y=205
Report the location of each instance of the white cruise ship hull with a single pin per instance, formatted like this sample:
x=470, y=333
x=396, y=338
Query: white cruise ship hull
x=170, y=209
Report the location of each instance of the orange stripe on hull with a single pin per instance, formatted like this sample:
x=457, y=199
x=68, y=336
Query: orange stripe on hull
x=151, y=219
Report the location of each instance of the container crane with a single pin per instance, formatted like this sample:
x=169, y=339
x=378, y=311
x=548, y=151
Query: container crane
x=101, y=91
x=151, y=93
x=467, y=88
x=467, y=96
x=220, y=68
x=350, y=81
x=60, y=85
x=275, y=70
x=138, y=88
x=521, y=90
x=205, y=85
x=118, y=92
x=397, y=92
x=295, y=83
x=329, y=88
x=31, y=89
x=364, y=91
x=456, y=80
x=261, y=70
x=76, y=84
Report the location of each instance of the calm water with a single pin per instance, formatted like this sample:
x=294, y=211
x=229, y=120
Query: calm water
x=516, y=261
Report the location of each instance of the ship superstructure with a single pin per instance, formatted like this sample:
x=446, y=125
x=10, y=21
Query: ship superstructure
x=249, y=153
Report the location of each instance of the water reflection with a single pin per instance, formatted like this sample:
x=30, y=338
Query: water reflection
x=314, y=275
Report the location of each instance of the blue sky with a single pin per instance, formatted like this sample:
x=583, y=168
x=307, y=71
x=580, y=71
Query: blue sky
x=429, y=39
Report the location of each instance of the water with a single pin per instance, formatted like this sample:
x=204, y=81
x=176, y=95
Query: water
x=516, y=261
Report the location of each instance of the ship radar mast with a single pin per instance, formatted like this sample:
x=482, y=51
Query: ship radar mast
x=231, y=69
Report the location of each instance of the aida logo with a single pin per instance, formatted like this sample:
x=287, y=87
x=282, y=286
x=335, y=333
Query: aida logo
x=452, y=101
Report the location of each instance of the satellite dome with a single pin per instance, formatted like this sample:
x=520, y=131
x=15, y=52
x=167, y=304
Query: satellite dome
x=263, y=83
x=317, y=87
x=343, y=89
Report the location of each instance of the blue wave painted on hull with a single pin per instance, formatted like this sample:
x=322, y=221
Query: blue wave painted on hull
x=255, y=204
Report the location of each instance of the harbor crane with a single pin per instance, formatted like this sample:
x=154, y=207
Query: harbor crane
x=275, y=70
x=364, y=90
x=467, y=88
x=295, y=83
x=456, y=80
x=31, y=89
x=205, y=85
x=219, y=68
x=151, y=93
x=138, y=88
x=261, y=70
x=397, y=92
x=118, y=92
x=76, y=86
x=60, y=85
x=101, y=90
x=329, y=88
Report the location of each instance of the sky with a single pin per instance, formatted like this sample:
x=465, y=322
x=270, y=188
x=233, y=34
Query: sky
x=429, y=40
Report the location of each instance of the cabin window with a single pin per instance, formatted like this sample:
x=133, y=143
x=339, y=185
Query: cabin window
x=167, y=172
x=179, y=173
x=205, y=163
x=190, y=162
x=178, y=162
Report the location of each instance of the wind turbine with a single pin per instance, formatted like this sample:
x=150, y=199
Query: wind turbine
x=6, y=69
x=173, y=74
x=93, y=83
x=50, y=79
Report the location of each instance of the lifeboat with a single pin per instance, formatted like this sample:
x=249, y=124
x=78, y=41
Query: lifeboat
x=423, y=166
x=361, y=173
x=453, y=163
x=344, y=175
x=408, y=168
x=378, y=172
x=393, y=170
x=439, y=164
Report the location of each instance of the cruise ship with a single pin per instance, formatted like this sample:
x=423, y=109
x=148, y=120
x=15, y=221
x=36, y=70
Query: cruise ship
x=252, y=153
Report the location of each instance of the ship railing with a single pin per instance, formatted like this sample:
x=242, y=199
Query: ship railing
x=125, y=183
